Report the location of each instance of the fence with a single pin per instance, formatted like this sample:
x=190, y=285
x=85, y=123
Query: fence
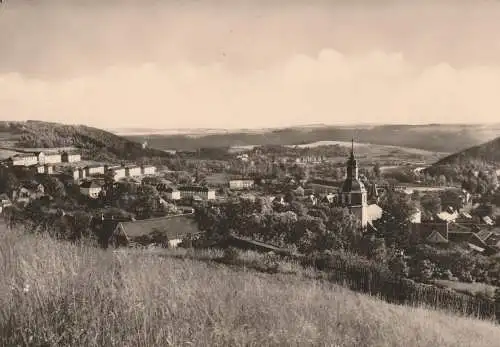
x=372, y=279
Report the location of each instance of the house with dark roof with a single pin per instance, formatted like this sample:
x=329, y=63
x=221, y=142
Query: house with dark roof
x=430, y=232
x=167, y=231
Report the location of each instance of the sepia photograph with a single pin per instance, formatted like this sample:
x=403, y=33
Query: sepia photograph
x=250, y=173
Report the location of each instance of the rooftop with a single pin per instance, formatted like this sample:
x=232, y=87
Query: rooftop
x=174, y=227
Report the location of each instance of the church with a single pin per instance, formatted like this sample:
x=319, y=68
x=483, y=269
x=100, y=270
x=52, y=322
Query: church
x=354, y=195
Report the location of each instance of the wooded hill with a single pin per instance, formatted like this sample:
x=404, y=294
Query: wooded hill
x=94, y=143
x=486, y=153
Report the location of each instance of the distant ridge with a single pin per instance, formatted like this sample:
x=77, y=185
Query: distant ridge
x=431, y=137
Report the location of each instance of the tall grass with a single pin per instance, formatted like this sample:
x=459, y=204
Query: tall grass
x=57, y=294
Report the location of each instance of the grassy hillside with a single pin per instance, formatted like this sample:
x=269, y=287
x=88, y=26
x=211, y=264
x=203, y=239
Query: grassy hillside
x=434, y=137
x=95, y=143
x=58, y=294
x=488, y=152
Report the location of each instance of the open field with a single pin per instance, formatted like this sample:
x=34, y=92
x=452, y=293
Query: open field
x=53, y=293
x=369, y=152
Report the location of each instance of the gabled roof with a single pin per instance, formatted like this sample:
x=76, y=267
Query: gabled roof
x=484, y=234
x=436, y=237
x=174, y=227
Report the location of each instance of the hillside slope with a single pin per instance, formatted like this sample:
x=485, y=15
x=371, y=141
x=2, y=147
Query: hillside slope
x=94, y=143
x=432, y=137
x=52, y=293
x=486, y=153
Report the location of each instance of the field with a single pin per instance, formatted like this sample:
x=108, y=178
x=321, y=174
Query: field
x=59, y=294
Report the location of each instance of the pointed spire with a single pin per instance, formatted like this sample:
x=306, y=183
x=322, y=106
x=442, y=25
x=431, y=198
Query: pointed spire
x=352, y=148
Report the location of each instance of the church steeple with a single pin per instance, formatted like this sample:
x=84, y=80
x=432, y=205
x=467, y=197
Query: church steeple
x=352, y=165
x=353, y=195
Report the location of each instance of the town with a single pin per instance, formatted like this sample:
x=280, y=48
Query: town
x=318, y=191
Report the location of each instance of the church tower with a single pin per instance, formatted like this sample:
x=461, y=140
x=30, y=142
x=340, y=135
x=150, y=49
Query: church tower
x=354, y=194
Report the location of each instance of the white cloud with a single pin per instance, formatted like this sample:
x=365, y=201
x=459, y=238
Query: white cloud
x=248, y=63
x=329, y=88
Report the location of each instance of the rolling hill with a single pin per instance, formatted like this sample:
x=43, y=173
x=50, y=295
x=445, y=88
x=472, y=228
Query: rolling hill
x=432, y=137
x=94, y=143
x=486, y=153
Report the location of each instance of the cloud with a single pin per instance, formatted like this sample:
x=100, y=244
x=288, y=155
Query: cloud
x=248, y=63
x=329, y=88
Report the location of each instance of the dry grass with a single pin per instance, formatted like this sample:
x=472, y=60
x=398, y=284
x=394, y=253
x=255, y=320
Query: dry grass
x=58, y=294
x=472, y=288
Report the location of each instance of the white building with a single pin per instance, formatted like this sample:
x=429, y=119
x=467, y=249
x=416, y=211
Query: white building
x=50, y=158
x=78, y=173
x=24, y=159
x=71, y=157
x=90, y=189
x=133, y=171
x=148, y=170
x=43, y=169
x=172, y=194
x=238, y=184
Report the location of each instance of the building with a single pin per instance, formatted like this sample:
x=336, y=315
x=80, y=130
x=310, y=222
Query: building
x=133, y=171
x=90, y=189
x=42, y=169
x=78, y=173
x=205, y=193
x=40, y=157
x=353, y=193
x=49, y=158
x=166, y=231
x=70, y=157
x=239, y=184
x=95, y=169
x=148, y=170
x=172, y=194
x=23, y=159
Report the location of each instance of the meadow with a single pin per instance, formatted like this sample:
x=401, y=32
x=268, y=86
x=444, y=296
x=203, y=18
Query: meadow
x=59, y=294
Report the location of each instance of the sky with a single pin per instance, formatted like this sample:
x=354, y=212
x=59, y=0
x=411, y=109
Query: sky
x=249, y=63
